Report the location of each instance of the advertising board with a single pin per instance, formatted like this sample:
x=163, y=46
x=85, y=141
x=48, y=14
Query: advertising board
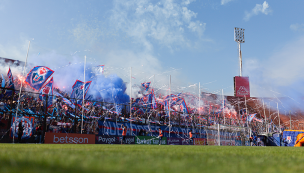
x=68, y=138
x=114, y=139
x=174, y=141
x=241, y=86
x=199, y=141
x=150, y=140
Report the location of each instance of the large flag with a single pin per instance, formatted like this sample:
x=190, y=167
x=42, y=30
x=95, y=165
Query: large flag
x=146, y=85
x=77, y=92
x=47, y=90
x=38, y=76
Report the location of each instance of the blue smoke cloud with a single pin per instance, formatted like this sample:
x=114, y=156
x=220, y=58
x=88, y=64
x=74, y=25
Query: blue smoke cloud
x=108, y=89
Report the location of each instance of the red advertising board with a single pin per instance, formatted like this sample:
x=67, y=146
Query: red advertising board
x=241, y=86
x=199, y=141
x=68, y=138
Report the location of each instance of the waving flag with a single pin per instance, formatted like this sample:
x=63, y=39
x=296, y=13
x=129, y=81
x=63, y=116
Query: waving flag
x=154, y=103
x=118, y=109
x=10, y=83
x=38, y=76
x=146, y=85
x=100, y=69
x=251, y=117
x=77, y=92
x=258, y=120
x=184, y=107
x=47, y=90
x=10, y=78
x=65, y=100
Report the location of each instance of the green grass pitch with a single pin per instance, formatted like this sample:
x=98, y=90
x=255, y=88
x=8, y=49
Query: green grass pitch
x=147, y=158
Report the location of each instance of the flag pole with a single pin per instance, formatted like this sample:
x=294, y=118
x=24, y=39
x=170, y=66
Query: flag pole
x=279, y=120
x=169, y=104
x=223, y=106
x=130, y=101
x=199, y=104
x=83, y=90
x=265, y=117
x=21, y=89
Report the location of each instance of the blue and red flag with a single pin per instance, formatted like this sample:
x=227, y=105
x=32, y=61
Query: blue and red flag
x=184, y=107
x=38, y=76
x=258, y=120
x=65, y=100
x=77, y=92
x=154, y=103
x=100, y=69
x=10, y=79
x=251, y=117
x=47, y=90
x=146, y=85
x=10, y=83
x=118, y=109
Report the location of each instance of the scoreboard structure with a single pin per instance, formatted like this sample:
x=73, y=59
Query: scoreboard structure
x=241, y=86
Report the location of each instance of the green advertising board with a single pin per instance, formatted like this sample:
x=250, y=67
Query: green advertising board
x=150, y=140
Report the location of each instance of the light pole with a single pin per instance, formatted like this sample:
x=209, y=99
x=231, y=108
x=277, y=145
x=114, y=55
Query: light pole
x=239, y=38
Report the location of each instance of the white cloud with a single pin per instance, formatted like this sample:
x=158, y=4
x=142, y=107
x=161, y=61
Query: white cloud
x=259, y=8
x=223, y=2
x=297, y=27
x=17, y=51
x=165, y=22
x=284, y=69
x=187, y=2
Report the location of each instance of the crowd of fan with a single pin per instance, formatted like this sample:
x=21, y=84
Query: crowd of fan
x=64, y=119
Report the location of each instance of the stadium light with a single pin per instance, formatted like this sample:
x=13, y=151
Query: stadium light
x=239, y=38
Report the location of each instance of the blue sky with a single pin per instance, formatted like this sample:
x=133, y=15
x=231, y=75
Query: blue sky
x=190, y=40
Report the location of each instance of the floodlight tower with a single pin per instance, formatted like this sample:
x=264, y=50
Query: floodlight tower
x=239, y=38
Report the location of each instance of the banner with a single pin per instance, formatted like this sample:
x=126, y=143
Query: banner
x=212, y=142
x=68, y=138
x=174, y=141
x=238, y=143
x=199, y=141
x=27, y=123
x=227, y=142
x=38, y=76
x=149, y=140
x=113, y=139
x=114, y=129
x=291, y=136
